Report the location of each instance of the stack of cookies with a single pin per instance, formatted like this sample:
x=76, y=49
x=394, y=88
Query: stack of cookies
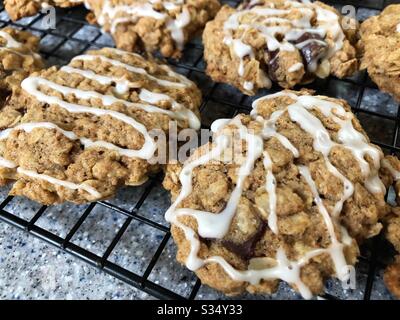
x=286, y=193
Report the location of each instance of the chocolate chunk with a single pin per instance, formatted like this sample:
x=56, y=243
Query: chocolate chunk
x=307, y=36
x=206, y=241
x=245, y=250
x=273, y=64
x=250, y=4
x=272, y=54
x=312, y=51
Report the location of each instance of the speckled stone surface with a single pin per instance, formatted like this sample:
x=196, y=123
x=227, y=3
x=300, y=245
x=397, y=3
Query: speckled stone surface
x=32, y=269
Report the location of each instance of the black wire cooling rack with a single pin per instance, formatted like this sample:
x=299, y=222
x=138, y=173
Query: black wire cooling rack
x=378, y=113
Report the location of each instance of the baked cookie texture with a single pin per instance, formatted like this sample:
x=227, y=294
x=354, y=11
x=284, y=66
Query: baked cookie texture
x=380, y=46
x=392, y=274
x=392, y=277
x=77, y=133
x=286, y=193
x=18, y=58
x=152, y=25
x=286, y=42
x=18, y=9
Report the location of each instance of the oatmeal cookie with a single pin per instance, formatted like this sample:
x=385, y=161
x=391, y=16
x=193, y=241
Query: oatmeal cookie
x=18, y=58
x=77, y=133
x=393, y=228
x=391, y=166
x=287, y=42
x=18, y=9
x=153, y=24
x=391, y=169
x=380, y=46
x=287, y=193
x=392, y=277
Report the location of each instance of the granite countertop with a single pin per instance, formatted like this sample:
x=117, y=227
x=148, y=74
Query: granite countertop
x=32, y=269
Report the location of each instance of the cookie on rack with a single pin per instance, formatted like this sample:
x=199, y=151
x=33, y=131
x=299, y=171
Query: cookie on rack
x=393, y=228
x=380, y=44
x=18, y=9
x=391, y=165
x=18, y=58
x=392, y=272
x=287, y=42
x=77, y=133
x=164, y=25
x=392, y=277
x=286, y=193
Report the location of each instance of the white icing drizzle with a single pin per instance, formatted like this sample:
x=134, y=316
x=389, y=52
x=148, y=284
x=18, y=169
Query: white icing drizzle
x=185, y=177
x=242, y=50
x=116, y=14
x=248, y=85
x=138, y=70
x=336, y=248
x=10, y=41
x=216, y=225
x=374, y=184
x=346, y=239
x=122, y=86
x=398, y=28
x=219, y=124
x=269, y=130
x=322, y=143
x=87, y=143
x=4, y=163
x=348, y=136
x=45, y=5
x=271, y=22
x=28, y=127
x=179, y=113
x=32, y=85
x=395, y=173
x=13, y=45
x=270, y=186
x=169, y=5
x=111, y=11
x=296, y=67
x=66, y=184
x=177, y=26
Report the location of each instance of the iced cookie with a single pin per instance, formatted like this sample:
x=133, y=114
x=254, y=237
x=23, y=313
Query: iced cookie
x=287, y=194
x=391, y=165
x=287, y=42
x=18, y=58
x=392, y=272
x=78, y=132
x=153, y=24
x=380, y=43
x=18, y=9
x=392, y=277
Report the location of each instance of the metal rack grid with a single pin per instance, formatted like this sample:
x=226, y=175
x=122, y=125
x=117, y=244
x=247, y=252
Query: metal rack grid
x=74, y=35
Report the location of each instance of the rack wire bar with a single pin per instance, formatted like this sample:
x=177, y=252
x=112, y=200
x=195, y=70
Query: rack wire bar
x=61, y=44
